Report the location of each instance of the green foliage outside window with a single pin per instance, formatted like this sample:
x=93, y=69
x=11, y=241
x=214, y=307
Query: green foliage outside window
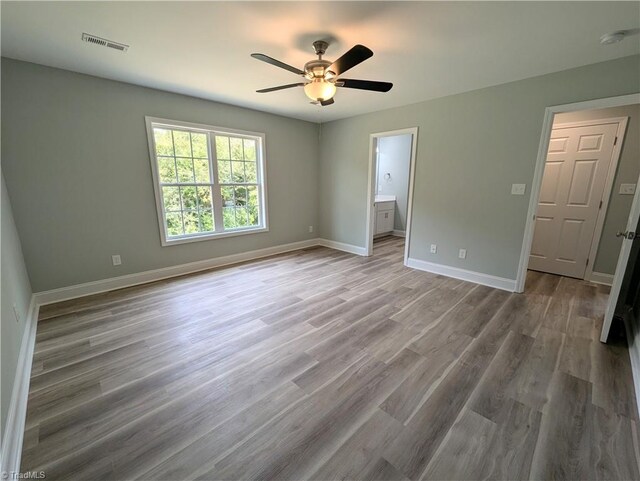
x=237, y=164
x=186, y=180
x=183, y=158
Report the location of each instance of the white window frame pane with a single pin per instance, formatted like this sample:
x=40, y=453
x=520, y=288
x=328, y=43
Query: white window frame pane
x=260, y=210
x=210, y=131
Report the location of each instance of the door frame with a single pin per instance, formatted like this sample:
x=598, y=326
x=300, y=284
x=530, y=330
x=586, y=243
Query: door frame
x=543, y=147
x=373, y=143
x=607, y=191
x=621, y=267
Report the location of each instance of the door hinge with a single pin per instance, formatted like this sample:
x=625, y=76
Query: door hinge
x=615, y=141
x=587, y=261
x=600, y=206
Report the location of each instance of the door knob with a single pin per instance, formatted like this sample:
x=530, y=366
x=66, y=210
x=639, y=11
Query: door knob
x=628, y=235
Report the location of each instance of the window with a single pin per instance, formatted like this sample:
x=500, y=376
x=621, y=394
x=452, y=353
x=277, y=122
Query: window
x=209, y=182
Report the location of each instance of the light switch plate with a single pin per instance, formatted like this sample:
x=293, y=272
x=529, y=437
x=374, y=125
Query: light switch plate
x=116, y=260
x=627, y=189
x=518, y=189
x=434, y=248
x=462, y=253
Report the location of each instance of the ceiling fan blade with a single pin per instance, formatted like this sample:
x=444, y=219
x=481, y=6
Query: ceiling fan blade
x=277, y=63
x=324, y=103
x=280, y=87
x=364, y=85
x=353, y=57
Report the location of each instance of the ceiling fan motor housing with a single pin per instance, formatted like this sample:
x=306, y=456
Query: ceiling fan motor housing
x=318, y=69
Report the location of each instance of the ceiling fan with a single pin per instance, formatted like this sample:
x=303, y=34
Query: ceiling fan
x=322, y=77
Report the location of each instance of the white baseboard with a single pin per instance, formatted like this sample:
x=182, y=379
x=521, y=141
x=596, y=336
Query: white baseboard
x=16, y=416
x=633, y=340
x=341, y=246
x=457, y=273
x=399, y=233
x=120, y=282
x=600, y=278
x=129, y=280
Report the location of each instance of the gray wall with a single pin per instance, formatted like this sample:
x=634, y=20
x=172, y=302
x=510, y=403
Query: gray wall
x=76, y=162
x=627, y=173
x=394, y=158
x=471, y=148
x=15, y=289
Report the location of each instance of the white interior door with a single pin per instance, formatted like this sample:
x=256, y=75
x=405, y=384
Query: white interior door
x=571, y=194
x=629, y=237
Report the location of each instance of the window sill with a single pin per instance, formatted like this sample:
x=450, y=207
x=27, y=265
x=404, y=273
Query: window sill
x=213, y=236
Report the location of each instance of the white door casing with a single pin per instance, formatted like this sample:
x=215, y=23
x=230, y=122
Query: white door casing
x=371, y=212
x=543, y=147
x=571, y=194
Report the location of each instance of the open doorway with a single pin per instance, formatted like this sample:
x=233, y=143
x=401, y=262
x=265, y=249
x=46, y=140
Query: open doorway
x=584, y=195
x=391, y=169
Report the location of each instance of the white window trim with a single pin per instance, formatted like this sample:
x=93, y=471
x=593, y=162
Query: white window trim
x=261, y=171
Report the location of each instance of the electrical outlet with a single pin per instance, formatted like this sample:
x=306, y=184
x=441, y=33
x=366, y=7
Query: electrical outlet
x=434, y=248
x=310, y=228
x=462, y=253
x=116, y=260
x=16, y=312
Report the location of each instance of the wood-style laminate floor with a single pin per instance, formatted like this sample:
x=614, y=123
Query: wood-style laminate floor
x=323, y=365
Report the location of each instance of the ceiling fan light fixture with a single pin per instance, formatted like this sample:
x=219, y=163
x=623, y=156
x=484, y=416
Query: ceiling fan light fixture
x=320, y=90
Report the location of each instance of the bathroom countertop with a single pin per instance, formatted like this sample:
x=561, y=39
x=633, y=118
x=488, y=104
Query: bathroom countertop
x=385, y=198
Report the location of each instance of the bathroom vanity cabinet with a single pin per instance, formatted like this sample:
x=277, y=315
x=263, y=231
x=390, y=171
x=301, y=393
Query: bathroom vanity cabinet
x=384, y=215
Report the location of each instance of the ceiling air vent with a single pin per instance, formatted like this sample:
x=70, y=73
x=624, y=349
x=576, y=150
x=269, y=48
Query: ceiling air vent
x=87, y=37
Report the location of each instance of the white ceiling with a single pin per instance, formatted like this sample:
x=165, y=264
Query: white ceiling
x=427, y=49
